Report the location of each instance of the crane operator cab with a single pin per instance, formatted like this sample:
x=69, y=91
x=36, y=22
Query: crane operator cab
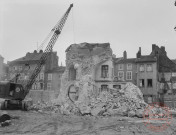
x=13, y=93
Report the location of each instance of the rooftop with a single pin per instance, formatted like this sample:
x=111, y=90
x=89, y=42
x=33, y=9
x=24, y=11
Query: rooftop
x=146, y=58
x=29, y=58
x=129, y=60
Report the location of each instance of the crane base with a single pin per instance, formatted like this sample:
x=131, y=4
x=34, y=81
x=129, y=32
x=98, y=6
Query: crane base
x=14, y=105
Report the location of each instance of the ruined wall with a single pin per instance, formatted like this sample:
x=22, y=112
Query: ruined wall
x=81, y=66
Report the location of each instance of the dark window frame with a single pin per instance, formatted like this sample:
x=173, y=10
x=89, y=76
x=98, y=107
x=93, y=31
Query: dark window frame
x=104, y=71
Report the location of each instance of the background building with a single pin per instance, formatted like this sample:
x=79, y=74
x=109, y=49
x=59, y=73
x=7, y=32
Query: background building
x=47, y=84
x=125, y=69
x=147, y=76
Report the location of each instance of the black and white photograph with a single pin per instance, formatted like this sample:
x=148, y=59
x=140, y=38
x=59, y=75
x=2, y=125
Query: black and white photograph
x=87, y=67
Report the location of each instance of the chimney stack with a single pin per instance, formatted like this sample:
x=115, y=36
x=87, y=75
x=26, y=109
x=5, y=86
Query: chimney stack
x=138, y=55
x=125, y=55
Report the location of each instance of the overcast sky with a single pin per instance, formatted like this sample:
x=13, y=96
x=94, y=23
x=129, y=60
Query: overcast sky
x=125, y=24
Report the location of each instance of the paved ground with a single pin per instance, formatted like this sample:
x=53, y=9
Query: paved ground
x=35, y=123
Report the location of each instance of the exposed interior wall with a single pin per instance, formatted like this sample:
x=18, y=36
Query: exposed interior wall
x=81, y=67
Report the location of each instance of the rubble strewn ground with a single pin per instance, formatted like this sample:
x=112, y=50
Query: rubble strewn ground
x=113, y=113
x=42, y=123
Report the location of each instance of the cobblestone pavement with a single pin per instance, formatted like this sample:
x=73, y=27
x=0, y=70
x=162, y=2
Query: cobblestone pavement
x=35, y=123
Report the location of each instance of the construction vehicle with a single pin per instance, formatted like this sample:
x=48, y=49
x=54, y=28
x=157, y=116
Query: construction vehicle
x=15, y=93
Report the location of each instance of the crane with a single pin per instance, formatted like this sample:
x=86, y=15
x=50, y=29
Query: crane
x=14, y=93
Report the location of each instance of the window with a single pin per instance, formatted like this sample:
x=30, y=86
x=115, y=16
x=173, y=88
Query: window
x=14, y=68
x=149, y=83
x=48, y=86
x=42, y=76
x=41, y=86
x=129, y=66
x=141, y=68
x=104, y=88
x=141, y=83
x=149, y=68
x=104, y=71
x=129, y=75
x=120, y=66
x=120, y=75
x=49, y=76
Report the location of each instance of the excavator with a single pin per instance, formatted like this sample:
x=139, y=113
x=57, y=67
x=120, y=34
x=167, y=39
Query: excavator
x=14, y=93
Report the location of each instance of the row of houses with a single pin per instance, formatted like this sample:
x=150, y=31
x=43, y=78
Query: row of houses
x=154, y=74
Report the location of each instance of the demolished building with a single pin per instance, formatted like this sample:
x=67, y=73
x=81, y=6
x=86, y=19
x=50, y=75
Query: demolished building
x=88, y=84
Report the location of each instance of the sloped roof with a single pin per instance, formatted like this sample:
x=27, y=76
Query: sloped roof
x=29, y=58
x=165, y=64
x=146, y=58
x=129, y=60
x=174, y=61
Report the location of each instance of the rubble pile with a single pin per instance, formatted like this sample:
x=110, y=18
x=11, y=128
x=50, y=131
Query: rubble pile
x=127, y=102
x=44, y=107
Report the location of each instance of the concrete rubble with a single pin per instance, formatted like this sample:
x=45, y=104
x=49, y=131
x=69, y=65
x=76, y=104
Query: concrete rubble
x=127, y=102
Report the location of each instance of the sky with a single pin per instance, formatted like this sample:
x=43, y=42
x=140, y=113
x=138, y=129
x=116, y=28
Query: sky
x=125, y=24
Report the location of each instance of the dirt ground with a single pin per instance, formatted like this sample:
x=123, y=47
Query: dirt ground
x=36, y=123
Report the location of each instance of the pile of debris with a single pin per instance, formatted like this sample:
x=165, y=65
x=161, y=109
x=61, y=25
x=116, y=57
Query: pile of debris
x=127, y=102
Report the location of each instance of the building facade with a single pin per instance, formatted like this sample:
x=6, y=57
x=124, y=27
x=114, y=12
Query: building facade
x=125, y=69
x=27, y=64
x=147, y=76
x=166, y=76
